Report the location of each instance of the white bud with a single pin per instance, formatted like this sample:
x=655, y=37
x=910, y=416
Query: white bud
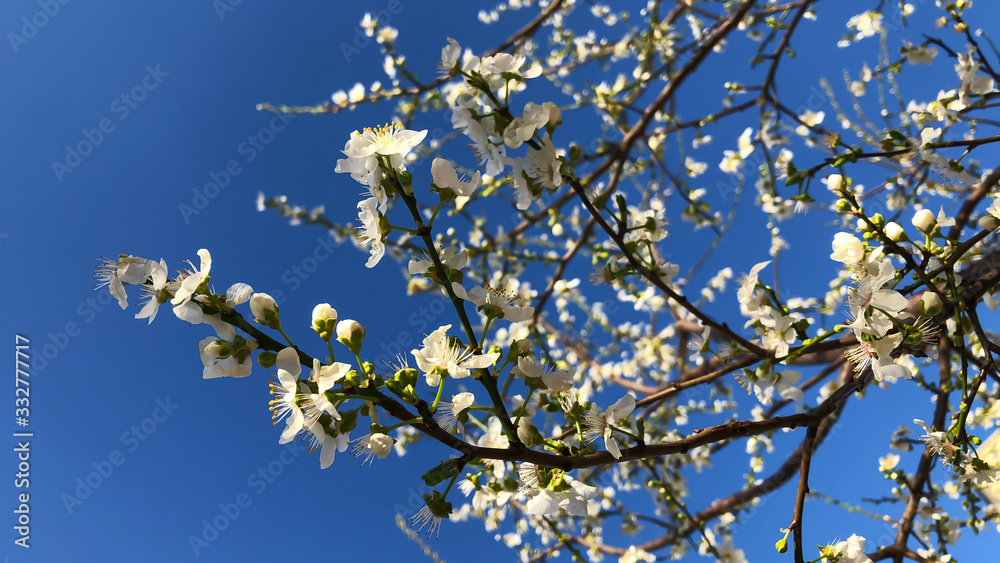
x=923, y=220
x=894, y=231
x=351, y=334
x=265, y=310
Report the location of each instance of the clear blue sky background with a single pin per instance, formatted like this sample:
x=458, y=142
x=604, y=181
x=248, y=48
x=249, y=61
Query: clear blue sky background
x=201, y=76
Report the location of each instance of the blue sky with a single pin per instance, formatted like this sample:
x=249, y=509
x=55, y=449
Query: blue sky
x=132, y=451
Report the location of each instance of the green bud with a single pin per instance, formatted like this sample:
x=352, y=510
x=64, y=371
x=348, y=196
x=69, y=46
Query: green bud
x=781, y=545
x=267, y=359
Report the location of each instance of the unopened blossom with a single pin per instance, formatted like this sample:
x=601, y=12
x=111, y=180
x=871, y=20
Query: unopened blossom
x=894, y=231
x=350, y=333
x=599, y=425
x=923, y=220
x=324, y=320
x=265, y=310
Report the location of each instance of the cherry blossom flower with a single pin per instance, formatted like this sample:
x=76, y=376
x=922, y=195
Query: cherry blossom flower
x=599, y=424
x=370, y=232
x=439, y=357
x=561, y=380
x=494, y=302
x=158, y=281
x=114, y=274
x=445, y=177
x=192, y=279
x=447, y=412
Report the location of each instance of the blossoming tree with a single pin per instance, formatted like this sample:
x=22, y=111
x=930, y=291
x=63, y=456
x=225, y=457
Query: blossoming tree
x=545, y=392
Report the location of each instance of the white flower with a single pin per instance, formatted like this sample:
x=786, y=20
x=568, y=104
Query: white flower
x=747, y=285
x=494, y=302
x=495, y=438
x=489, y=153
x=448, y=256
x=371, y=446
x=328, y=444
x=158, y=281
x=439, y=357
x=599, y=425
x=237, y=294
x=388, y=140
x=636, y=555
x=324, y=377
x=555, y=380
x=938, y=442
x=285, y=392
x=113, y=274
x=445, y=177
x=371, y=230
x=544, y=164
x=574, y=500
x=919, y=54
x=449, y=56
x=192, y=280
x=847, y=249
x=851, y=550
x=447, y=413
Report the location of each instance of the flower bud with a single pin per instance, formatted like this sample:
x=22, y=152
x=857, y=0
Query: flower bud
x=267, y=359
x=834, y=182
x=930, y=304
x=894, y=231
x=989, y=222
x=324, y=320
x=842, y=205
x=217, y=349
x=265, y=310
x=924, y=220
x=350, y=333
